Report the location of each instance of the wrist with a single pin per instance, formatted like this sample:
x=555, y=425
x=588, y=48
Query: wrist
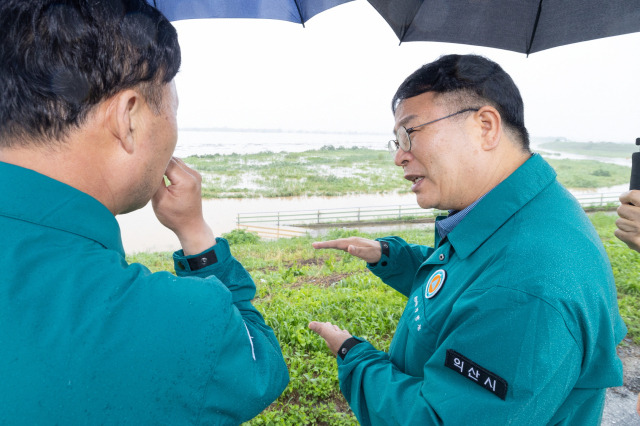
x=347, y=345
x=196, y=239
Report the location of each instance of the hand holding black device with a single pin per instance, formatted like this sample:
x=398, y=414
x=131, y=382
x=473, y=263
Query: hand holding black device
x=635, y=169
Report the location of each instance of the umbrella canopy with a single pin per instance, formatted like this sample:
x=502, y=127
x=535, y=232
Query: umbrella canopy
x=286, y=10
x=525, y=26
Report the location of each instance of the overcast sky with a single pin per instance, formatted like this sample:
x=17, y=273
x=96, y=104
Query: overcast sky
x=340, y=72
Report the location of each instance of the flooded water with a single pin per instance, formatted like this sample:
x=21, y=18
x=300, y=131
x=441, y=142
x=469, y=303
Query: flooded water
x=562, y=155
x=203, y=142
x=142, y=232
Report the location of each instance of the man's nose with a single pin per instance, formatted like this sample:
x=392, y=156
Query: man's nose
x=402, y=157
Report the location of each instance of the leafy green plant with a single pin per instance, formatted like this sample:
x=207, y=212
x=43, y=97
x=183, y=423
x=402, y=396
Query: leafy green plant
x=297, y=284
x=241, y=236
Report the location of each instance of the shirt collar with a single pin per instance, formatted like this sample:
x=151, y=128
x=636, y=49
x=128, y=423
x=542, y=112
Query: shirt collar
x=500, y=204
x=447, y=224
x=36, y=198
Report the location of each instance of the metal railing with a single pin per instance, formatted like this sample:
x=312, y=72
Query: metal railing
x=283, y=223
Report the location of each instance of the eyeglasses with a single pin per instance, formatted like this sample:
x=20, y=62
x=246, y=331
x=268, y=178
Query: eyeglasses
x=402, y=135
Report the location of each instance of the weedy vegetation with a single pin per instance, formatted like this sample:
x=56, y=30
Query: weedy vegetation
x=344, y=171
x=297, y=284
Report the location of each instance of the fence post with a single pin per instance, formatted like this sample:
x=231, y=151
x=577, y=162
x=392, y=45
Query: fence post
x=399, y=212
x=318, y=216
x=358, y=214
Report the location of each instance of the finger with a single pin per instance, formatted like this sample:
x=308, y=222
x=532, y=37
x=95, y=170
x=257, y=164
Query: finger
x=366, y=253
x=631, y=197
x=341, y=244
x=628, y=211
x=319, y=327
x=177, y=172
x=185, y=167
x=626, y=225
x=631, y=239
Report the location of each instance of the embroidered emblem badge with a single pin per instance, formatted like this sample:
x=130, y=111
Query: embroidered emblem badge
x=435, y=283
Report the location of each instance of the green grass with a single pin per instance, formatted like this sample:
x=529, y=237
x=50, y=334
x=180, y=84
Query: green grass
x=297, y=284
x=325, y=172
x=583, y=174
x=344, y=171
x=595, y=149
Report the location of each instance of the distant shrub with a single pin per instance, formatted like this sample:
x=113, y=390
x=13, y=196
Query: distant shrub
x=241, y=236
x=601, y=172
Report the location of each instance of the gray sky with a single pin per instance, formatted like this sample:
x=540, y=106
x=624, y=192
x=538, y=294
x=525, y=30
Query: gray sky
x=340, y=72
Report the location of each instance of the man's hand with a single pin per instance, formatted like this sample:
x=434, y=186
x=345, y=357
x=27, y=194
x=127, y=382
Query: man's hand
x=629, y=222
x=332, y=334
x=179, y=207
x=365, y=249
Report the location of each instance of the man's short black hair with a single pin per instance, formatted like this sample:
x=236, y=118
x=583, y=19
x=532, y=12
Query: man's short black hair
x=60, y=58
x=469, y=81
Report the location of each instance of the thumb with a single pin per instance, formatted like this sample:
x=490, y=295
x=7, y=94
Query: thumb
x=316, y=327
x=368, y=254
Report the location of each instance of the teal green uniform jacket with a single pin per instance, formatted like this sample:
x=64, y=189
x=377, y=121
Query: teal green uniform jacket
x=512, y=319
x=86, y=338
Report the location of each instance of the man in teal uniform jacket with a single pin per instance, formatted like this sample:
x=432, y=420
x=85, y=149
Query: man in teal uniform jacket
x=512, y=316
x=87, y=131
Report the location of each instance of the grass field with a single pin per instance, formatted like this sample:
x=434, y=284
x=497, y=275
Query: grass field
x=344, y=171
x=595, y=149
x=297, y=284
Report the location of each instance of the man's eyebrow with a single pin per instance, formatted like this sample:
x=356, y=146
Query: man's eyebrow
x=403, y=122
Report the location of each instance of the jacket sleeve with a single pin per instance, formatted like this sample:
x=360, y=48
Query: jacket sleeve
x=250, y=366
x=536, y=356
x=399, y=268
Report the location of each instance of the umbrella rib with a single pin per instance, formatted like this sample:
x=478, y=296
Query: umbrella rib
x=535, y=28
x=406, y=29
x=299, y=12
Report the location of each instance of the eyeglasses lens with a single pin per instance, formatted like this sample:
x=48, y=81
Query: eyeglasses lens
x=402, y=141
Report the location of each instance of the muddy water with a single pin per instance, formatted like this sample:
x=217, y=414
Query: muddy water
x=141, y=231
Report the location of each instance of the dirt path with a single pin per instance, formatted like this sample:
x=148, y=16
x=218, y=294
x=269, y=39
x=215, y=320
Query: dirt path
x=620, y=406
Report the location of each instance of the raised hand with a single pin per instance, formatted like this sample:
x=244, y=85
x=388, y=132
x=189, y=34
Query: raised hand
x=629, y=222
x=365, y=249
x=179, y=207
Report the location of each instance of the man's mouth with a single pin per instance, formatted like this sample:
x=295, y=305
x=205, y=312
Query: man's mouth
x=413, y=178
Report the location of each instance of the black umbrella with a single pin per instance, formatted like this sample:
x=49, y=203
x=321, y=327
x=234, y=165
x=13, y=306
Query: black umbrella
x=286, y=10
x=525, y=26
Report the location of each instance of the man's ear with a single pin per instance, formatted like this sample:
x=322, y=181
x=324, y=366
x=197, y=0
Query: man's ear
x=490, y=124
x=122, y=117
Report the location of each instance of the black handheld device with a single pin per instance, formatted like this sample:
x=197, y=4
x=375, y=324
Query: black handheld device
x=634, y=183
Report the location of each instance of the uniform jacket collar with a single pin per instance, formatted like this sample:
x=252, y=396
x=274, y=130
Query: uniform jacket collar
x=500, y=204
x=33, y=197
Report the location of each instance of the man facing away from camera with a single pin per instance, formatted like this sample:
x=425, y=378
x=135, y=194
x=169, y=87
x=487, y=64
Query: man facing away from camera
x=512, y=316
x=87, y=131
